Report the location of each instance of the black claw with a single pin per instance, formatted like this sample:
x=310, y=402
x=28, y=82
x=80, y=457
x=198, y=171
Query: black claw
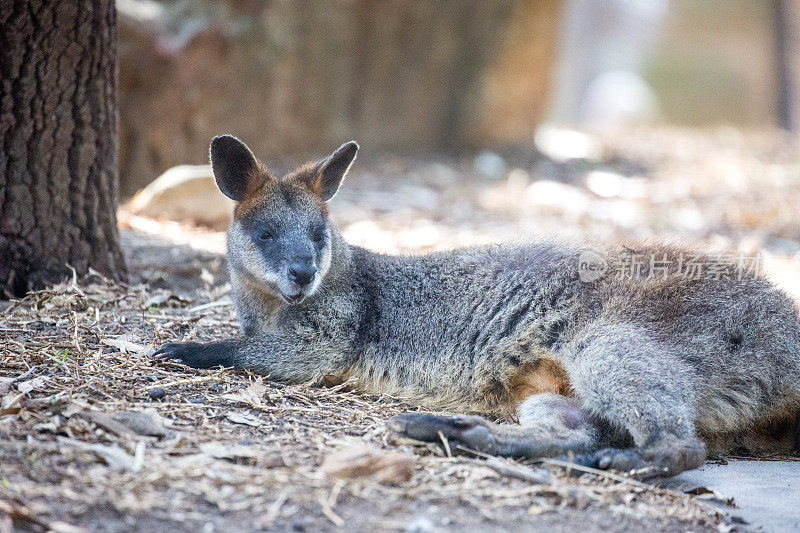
x=196, y=355
x=176, y=350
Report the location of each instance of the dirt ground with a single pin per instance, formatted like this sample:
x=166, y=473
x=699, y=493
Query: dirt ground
x=96, y=435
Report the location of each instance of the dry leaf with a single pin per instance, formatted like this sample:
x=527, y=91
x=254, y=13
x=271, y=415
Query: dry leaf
x=10, y=405
x=35, y=383
x=106, y=422
x=362, y=461
x=239, y=418
x=5, y=384
x=160, y=299
x=128, y=423
x=125, y=346
x=705, y=493
x=481, y=472
x=114, y=456
x=147, y=422
x=252, y=395
x=222, y=451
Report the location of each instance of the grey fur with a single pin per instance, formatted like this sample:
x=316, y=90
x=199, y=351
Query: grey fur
x=654, y=362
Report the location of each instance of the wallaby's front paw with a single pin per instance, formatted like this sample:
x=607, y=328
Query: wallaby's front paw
x=195, y=354
x=184, y=352
x=471, y=432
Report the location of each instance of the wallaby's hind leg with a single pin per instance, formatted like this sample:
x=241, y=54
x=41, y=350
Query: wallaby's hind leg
x=632, y=381
x=550, y=425
x=625, y=381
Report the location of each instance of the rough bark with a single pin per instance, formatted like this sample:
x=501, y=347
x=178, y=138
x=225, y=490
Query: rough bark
x=58, y=142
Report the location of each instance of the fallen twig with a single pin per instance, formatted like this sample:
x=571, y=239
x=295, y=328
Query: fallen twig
x=510, y=469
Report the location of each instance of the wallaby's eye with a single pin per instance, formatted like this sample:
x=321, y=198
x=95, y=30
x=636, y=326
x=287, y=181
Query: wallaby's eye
x=265, y=236
x=318, y=236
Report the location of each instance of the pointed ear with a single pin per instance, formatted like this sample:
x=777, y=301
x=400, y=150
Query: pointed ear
x=332, y=170
x=234, y=166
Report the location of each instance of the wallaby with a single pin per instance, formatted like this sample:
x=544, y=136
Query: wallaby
x=638, y=372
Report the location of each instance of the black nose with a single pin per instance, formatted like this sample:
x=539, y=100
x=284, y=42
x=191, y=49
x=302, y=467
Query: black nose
x=302, y=273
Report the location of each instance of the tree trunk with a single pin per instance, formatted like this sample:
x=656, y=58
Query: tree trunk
x=58, y=142
x=786, y=29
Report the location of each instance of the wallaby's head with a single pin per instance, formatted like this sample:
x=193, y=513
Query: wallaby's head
x=281, y=236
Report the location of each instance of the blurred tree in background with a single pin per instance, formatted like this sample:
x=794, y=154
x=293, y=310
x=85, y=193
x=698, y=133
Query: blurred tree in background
x=293, y=77
x=58, y=126
x=786, y=20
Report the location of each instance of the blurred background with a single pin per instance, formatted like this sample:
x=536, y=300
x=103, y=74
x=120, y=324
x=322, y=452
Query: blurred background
x=478, y=120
